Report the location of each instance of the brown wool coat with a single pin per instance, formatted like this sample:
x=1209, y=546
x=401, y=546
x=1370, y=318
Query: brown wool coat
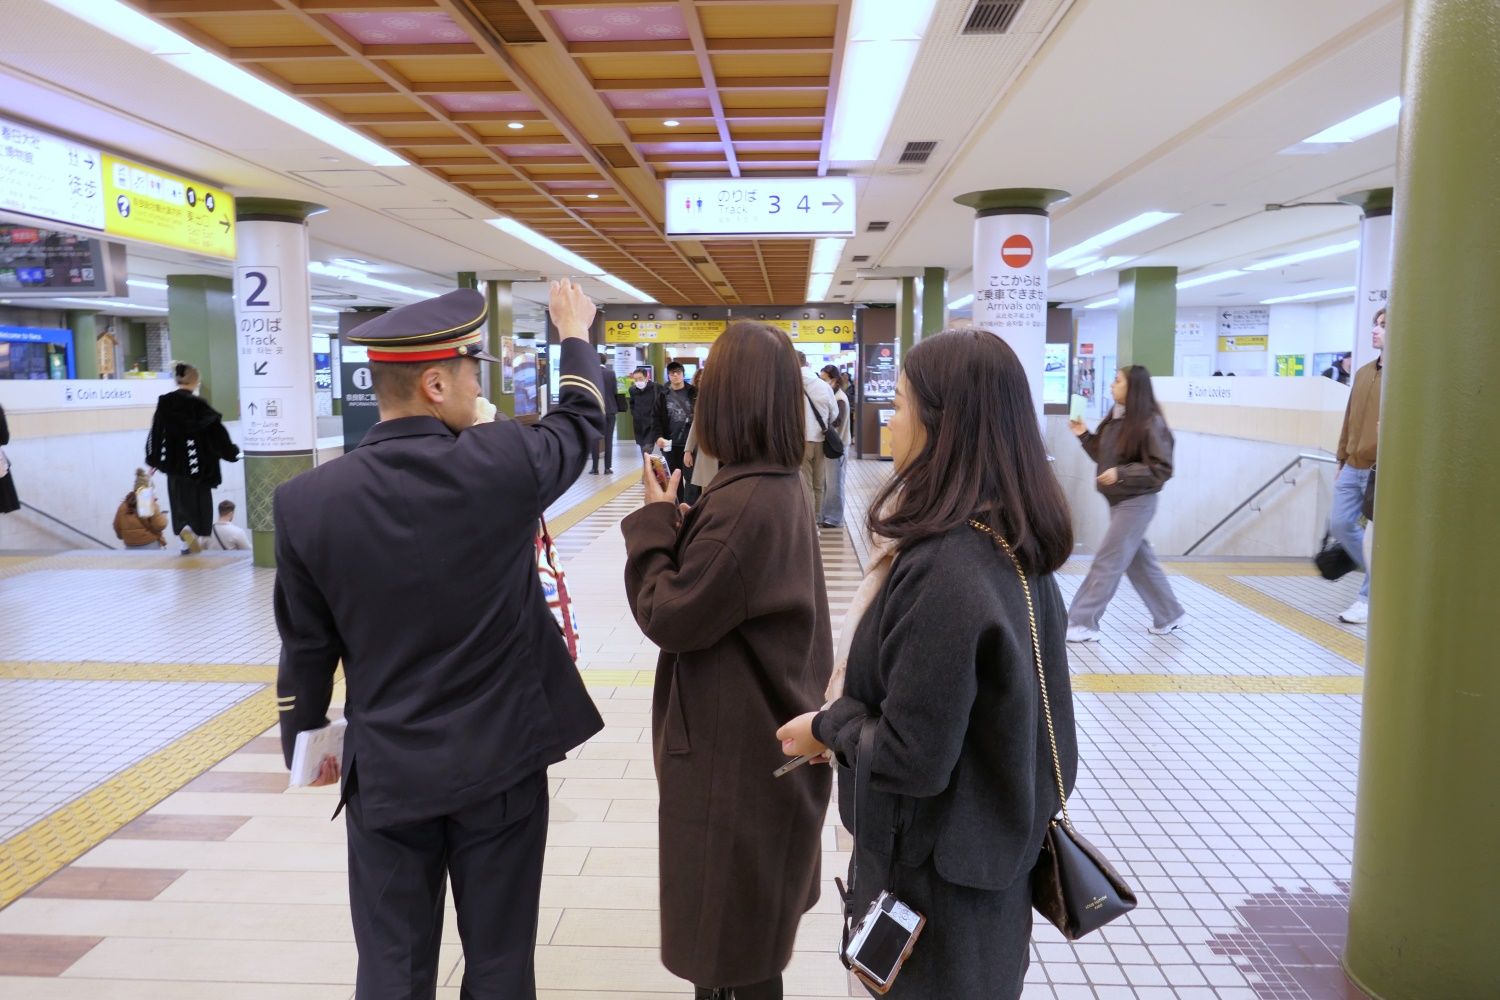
x=733, y=595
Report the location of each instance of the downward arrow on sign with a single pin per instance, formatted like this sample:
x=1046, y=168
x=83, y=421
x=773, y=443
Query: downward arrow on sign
x=260, y=367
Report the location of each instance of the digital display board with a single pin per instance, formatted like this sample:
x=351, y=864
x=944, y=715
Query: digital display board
x=44, y=262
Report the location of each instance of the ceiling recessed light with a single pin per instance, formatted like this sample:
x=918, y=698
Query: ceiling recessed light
x=671, y=123
x=592, y=196
x=514, y=125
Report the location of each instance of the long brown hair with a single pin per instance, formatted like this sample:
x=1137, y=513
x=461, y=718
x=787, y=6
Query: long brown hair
x=1141, y=411
x=983, y=456
x=749, y=405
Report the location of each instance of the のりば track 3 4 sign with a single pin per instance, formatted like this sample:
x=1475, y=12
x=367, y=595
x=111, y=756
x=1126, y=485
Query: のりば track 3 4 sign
x=793, y=207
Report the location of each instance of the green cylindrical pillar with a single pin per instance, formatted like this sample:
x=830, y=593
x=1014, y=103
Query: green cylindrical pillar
x=934, y=298
x=200, y=315
x=1147, y=319
x=85, y=329
x=906, y=317
x=273, y=329
x=1423, y=922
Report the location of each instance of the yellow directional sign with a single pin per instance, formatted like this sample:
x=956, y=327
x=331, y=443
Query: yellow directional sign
x=144, y=203
x=815, y=331
x=669, y=331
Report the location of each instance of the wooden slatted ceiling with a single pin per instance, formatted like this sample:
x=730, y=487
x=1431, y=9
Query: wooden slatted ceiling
x=747, y=81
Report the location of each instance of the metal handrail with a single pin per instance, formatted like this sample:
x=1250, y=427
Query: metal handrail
x=65, y=524
x=1304, y=457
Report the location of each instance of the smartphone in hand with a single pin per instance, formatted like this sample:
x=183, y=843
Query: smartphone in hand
x=659, y=470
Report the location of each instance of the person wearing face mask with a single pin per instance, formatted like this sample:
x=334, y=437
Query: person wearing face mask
x=1133, y=449
x=412, y=560
x=187, y=442
x=644, y=396
x=936, y=678
x=1356, y=458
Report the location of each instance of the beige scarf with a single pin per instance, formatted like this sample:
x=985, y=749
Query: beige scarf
x=882, y=555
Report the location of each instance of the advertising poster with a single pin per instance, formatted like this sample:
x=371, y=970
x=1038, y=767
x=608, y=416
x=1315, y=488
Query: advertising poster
x=525, y=382
x=1291, y=365
x=1055, y=376
x=878, y=373
x=507, y=365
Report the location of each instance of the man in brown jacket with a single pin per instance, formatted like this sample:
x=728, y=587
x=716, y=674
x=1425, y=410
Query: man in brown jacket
x=1356, y=457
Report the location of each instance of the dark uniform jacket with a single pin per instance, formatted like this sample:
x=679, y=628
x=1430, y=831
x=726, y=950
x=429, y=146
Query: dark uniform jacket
x=643, y=410
x=734, y=597
x=1140, y=474
x=611, y=394
x=942, y=660
x=188, y=438
x=412, y=559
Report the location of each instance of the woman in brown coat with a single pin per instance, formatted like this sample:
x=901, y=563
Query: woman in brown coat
x=732, y=592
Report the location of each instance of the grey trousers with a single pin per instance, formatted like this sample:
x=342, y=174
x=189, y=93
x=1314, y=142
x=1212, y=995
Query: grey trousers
x=1125, y=550
x=814, y=476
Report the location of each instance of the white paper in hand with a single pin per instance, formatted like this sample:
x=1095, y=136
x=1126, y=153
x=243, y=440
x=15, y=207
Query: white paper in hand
x=1078, y=405
x=312, y=746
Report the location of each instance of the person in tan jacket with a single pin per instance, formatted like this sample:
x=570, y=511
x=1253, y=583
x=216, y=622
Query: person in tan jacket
x=137, y=526
x=1356, y=456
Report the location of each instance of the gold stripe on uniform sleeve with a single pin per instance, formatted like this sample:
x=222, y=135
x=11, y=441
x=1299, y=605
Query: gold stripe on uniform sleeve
x=584, y=384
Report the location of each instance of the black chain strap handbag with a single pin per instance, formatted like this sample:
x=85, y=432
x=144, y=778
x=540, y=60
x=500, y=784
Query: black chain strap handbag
x=1072, y=885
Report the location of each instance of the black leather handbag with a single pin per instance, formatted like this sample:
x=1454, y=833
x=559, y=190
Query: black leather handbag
x=1072, y=885
x=1333, y=560
x=833, y=445
x=1367, y=505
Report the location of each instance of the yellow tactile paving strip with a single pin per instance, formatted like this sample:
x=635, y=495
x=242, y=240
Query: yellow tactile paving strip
x=60, y=838
x=579, y=511
x=240, y=673
x=1324, y=633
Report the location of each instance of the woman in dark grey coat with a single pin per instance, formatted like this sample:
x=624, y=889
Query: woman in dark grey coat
x=732, y=592
x=1133, y=452
x=961, y=781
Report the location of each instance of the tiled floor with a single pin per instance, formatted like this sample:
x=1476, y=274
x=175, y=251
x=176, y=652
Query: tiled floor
x=1231, y=813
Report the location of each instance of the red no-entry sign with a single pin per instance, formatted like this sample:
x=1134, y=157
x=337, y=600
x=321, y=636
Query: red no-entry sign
x=1016, y=251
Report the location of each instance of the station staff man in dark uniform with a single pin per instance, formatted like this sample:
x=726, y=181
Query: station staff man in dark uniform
x=412, y=560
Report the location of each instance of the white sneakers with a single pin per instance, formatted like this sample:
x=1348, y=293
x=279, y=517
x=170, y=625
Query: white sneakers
x=1078, y=633
x=1357, y=613
x=1169, y=627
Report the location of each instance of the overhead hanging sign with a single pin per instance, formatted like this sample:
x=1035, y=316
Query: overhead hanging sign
x=820, y=325
x=639, y=325
x=144, y=203
x=739, y=207
x=50, y=177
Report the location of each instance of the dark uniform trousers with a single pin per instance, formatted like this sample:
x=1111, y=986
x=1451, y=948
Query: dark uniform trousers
x=493, y=852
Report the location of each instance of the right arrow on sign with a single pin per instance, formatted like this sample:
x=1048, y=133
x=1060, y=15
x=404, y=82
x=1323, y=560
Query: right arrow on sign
x=837, y=203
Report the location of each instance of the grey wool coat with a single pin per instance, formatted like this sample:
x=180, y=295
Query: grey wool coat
x=733, y=595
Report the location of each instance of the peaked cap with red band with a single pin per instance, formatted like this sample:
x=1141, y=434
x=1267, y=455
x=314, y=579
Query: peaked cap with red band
x=449, y=326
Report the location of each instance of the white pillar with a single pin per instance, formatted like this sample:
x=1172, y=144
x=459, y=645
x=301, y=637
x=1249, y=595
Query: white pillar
x=1011, y=239
x=1376, y=238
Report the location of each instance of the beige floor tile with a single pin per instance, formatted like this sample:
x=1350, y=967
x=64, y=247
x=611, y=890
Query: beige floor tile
x=615, y=751
x=635, y=892
x=164, y=919
x=589, y=769
x=221, y=856
x=295, y=830
x=620, y=861
x=632, y=811
x=577, y=810
x=261, y=763
x=602, y=835
x=90, y=989
x=609, y=928
x=641, y=770
x=619, y=734
x=625, y=969
x=224, y=961
x=319, y=803
x=286, y=888
x=606, y=788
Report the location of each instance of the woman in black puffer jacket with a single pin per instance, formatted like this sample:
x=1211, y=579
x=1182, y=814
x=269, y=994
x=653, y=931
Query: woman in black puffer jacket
x=187, y=441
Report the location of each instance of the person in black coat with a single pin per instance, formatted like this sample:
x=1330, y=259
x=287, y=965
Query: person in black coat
x=9, y=501
x=644, y=394
x=412, y=560
x=187, y=441
x=940, y=667
x=606, y=446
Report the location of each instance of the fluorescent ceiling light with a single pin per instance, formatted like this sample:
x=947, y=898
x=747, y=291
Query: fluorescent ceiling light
x=1209, y=279
x=141, y=31
x=960, y=303
x=345, y=274
x=817, y=287
x=1298, y=258
x=558, y=252
x=160, y=286
x=1103, y=303
x=626, y=287
x=325, y=309
x=109, y=304
x=1377, y=119
x=1101, y=265
x=1139, y=224
x=884, y=36
x=826, y=254
x=1327, y=293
